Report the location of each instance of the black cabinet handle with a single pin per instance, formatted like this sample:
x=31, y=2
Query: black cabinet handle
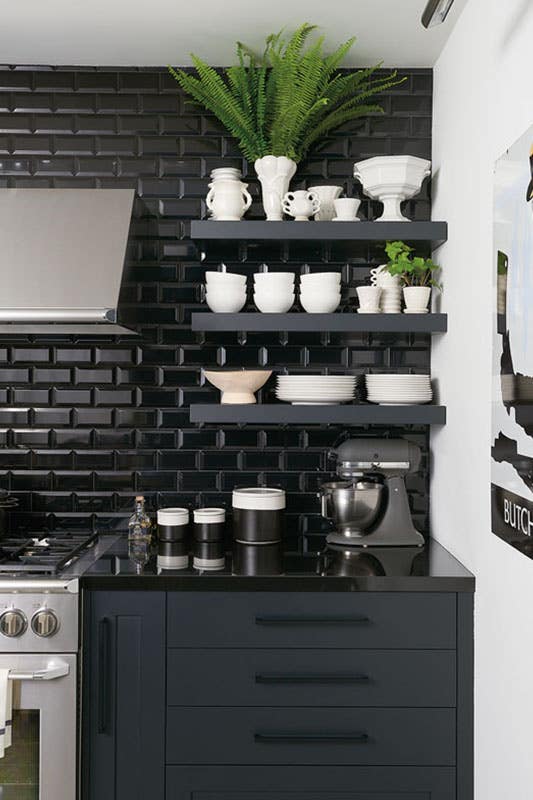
x=287, y=620
x=103, y=674
x=311, y=738
x=303, y=678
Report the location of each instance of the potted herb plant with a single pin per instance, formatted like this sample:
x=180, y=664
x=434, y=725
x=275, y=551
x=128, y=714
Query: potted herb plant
x=416, y=274
x=282, y=103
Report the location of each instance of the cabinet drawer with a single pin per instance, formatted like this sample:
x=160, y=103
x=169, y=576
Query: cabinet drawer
x=310, y=736
x=310, y=783
x=311, y=677
x=305, y=619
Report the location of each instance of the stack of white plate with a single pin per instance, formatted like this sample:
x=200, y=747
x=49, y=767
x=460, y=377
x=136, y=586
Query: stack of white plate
x=316, y=390
x=399, y=390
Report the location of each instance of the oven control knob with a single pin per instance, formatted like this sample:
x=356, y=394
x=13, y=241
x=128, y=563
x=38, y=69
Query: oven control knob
x=44, y=623
x=13, y=623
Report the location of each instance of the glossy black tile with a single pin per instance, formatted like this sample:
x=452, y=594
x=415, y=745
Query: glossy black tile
x=83, y=427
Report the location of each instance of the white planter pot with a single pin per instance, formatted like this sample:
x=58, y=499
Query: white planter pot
x=274, y=173
x=416, y=299
x=228, y=198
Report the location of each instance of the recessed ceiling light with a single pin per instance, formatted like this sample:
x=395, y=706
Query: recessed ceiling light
x=435, y=12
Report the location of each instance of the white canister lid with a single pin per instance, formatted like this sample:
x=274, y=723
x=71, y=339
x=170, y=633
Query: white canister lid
x=209, y=515
x=173, y=516
x=258, y=498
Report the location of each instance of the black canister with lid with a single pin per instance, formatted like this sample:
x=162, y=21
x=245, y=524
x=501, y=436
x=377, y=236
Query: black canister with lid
x=209, y=524
x=172, y=524
x=258, y=514
x=172, y=533
x=208, y=532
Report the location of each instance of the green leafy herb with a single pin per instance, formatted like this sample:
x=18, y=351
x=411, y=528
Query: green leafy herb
x=412, y=270
x=283, y=102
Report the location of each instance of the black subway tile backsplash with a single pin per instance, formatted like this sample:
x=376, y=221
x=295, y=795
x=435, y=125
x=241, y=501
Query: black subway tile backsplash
x=83, y=427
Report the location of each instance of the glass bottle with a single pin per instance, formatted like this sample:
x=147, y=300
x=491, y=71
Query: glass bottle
x=139, y=536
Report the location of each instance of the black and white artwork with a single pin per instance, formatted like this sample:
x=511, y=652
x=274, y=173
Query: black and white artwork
x=512, y=395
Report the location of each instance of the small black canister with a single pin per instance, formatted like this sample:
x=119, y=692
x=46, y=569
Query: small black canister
x=258, y=514
x=209, y=524
x=172, y=524
x=172, y=532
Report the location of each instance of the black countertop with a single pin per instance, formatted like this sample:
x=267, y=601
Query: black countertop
x=263, y=568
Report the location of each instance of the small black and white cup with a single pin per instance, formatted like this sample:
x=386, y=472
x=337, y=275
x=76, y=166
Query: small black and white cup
x=209, y=524
x=172, y=524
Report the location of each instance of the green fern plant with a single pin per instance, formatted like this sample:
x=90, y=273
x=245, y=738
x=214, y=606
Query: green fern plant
x=285, y=101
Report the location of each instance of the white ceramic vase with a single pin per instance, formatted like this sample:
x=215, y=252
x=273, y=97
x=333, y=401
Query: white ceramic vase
x=416, y=299
x=228, y=198
x=274, y=173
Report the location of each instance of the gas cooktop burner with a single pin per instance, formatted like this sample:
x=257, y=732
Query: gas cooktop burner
x=43, y=554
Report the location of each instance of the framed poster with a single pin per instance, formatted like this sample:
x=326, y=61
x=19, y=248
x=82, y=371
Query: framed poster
x=512, y=393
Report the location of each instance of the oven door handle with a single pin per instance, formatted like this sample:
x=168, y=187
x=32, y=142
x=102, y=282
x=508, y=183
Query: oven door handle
x=56, y=669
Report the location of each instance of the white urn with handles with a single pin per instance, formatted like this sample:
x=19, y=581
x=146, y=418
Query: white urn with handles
x=301, y=204
x=228, y=198
x=274, y=173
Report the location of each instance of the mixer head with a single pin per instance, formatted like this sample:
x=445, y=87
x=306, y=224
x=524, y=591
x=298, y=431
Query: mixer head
x=389, y=457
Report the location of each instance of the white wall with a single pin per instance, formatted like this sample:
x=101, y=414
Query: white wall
x=483, y=103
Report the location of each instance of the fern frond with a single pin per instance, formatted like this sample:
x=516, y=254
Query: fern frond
x=283, y=101
x=334, y=120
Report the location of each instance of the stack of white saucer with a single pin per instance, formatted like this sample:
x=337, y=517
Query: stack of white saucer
x=316, y=390
x=391, y=291
x=399, y=390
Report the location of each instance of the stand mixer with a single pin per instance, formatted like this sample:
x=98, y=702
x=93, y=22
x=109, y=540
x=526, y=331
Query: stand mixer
x=368, y=506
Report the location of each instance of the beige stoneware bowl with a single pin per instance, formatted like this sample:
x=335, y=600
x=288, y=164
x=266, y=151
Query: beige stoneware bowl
x=238, y=386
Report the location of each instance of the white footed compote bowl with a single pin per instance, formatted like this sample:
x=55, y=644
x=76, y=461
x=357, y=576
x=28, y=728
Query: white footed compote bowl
x=392, y=179
x=238, y=386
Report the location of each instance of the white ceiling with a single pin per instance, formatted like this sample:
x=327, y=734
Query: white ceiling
x=157, y=32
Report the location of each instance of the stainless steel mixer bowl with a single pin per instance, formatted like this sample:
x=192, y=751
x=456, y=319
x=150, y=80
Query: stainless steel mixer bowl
x=352, y=506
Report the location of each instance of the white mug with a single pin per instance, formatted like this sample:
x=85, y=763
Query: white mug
x=346, y=209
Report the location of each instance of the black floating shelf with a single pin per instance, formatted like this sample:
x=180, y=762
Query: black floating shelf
x=363, y=231
x=337, y=323
x=286, y=414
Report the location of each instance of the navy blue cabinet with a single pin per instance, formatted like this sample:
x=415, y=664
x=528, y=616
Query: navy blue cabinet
x=123, y=700
x=198, y=695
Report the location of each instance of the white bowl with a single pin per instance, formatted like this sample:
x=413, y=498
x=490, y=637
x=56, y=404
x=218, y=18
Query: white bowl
x=392, y=179
x=225, y=302
x=270, y=303
x=320, y=278
x=320, y=302
x=327, y=291
x=265, y=280
x=225, y=279
x=238, y=386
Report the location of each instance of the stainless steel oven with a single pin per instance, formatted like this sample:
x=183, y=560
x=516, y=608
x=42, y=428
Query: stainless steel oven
x=38, y=645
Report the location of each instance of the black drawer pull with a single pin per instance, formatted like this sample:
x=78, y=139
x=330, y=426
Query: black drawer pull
x=283, y=678
x=103, y=676
x=311, y=738
x=274, y=620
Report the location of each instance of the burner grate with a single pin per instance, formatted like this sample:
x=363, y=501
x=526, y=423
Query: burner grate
x=43, y=554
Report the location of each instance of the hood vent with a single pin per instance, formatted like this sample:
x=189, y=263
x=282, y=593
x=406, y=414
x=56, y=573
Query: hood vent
x=61, y=260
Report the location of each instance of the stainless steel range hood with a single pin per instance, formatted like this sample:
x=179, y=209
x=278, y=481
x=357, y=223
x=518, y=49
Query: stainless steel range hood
x=61, y=259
